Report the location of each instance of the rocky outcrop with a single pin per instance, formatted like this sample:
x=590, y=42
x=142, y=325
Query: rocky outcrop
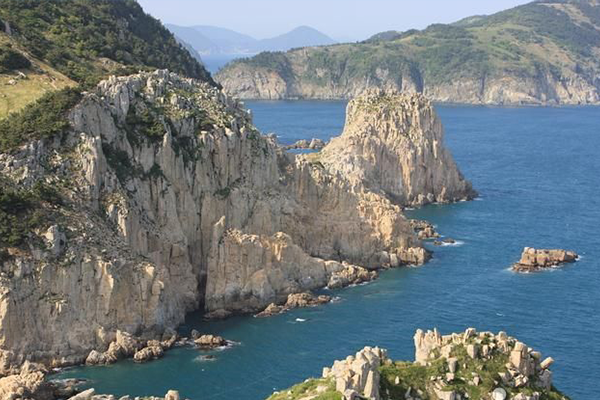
x=533, y=260
x=313, y=144
x=172, y=201
x=296, y=300
x=358, y=376
x=424, y=229
x=394, y=145
x=458, y=366
x=126, y=345
x=210, y=341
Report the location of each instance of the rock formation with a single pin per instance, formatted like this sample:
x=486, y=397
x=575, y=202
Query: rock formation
x=533, y=260
x=313, y=144
x=467, y=365
x=170, y=201
x=296, y=300
x=393, y=144
x=358, y=376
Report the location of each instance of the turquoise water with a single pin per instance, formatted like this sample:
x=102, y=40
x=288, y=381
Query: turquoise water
x=537, y=172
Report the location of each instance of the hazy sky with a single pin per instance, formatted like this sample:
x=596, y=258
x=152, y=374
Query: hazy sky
x=341, y=19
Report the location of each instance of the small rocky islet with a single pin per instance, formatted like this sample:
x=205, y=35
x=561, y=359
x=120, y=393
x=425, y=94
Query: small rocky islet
x=534, y=260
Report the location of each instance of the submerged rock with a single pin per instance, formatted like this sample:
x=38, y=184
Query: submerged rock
x=533, y=260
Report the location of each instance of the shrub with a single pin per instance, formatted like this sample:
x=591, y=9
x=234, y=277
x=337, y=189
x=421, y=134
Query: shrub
x=11, y=60
x=43, y=119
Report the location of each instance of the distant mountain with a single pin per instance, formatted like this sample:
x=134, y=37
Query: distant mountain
x=300, y=37
x=211, y=40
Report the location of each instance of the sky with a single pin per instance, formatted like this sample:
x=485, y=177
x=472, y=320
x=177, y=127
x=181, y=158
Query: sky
x=340, y=19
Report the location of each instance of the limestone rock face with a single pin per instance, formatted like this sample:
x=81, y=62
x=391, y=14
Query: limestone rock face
x=175, y=202
x=534, y=259
x=358, y=374
x=393, y=144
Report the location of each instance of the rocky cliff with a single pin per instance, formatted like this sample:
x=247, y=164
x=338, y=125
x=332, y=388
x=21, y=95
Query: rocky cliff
x=156, y=196
x=545, y=52
x=388, y=142
x=470, y=365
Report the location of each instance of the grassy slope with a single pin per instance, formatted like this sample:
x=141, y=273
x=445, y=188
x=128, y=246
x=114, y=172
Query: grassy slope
x=83, y=41
x=549, y=36
x=41, y=79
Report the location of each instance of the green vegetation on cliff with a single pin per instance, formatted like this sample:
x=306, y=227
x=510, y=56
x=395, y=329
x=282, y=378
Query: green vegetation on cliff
x=89, y=39
x=21, y=211
x=44, y=118
x=553, y=41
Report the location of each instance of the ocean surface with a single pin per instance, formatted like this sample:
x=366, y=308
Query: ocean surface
x=537, y=171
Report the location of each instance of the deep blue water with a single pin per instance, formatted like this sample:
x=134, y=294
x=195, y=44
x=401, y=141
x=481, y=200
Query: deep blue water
x=537, y=170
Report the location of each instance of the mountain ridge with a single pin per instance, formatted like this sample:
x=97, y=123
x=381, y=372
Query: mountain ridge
x=212, y=40
x=544, y=52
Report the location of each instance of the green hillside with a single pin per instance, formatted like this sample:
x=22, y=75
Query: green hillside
x=47, y=45
x=551, y=41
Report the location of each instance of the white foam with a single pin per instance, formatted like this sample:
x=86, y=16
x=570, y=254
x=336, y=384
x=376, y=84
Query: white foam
x=478, y=199
x=205, y=358
x=300, y=320
x=456, y=243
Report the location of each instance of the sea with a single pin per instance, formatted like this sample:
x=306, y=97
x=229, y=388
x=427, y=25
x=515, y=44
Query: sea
x=537, y=170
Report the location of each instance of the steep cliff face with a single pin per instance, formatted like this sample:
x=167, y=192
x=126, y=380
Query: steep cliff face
x=247, y=81
x=545, y=52
x=393, y=144
x=166, y=200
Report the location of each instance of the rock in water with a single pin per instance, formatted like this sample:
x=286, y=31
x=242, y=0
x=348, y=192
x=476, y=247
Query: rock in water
x=535, y=260
x=393, y=144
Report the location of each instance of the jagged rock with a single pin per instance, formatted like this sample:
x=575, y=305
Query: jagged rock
x=534, y=259
x=387, y=138
x=424, y=229
x=210, y=341
x=25, y=385
x=85, y=395
x=172, y=395
x=472, y=351
x=313, y=144
x=359, y=373
x=294, y=300
x=546, y=363
x=55, y=239
x=148, y=353
x=350, y=275
x=452, y=364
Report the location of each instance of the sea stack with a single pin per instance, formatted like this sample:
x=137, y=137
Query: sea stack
x=393, y=143
x=533, y=260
